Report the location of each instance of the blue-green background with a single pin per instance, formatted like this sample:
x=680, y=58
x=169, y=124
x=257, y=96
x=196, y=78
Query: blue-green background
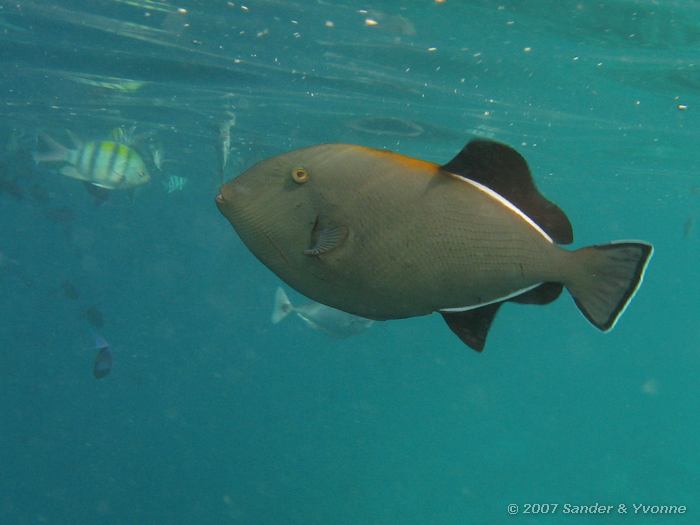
x=213, y=415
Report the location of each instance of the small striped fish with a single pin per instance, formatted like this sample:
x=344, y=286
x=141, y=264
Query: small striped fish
x=106, y=164
x=175, y=183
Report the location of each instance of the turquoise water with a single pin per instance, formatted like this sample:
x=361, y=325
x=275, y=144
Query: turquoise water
x=211, y=414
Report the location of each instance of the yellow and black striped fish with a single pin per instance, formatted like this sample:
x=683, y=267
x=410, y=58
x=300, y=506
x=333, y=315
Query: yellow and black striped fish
x=106, y=164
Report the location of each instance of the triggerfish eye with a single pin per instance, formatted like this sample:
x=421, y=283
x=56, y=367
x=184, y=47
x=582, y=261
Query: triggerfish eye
x=300, y=175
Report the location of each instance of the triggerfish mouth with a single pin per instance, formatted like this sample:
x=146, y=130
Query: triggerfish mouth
x=384, y=236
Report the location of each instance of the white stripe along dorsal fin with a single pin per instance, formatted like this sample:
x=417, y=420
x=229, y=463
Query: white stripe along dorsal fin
x=505, y=202
x=502, y=173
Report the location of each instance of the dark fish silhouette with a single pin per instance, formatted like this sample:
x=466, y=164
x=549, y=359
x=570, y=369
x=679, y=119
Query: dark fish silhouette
x=39, y=193
x=100, y=195
x=62, y=215
x=103, y=359
x=69, y=290
x=385, y=236
x=93, y=316
x=11, y=187
x=13, y=267
x=688, y=227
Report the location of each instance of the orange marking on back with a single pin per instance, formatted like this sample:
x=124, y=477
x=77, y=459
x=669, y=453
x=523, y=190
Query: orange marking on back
x=408, y=162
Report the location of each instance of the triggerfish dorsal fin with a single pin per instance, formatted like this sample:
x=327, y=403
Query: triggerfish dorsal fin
x=505, y=171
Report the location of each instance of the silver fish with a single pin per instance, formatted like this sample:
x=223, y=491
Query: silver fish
x=157, y=156
x=320, y=317
x=224, y=148
x=125, y=85
x=124, y=135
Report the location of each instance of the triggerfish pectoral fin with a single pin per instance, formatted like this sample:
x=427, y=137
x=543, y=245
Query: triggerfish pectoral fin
x=326, y=237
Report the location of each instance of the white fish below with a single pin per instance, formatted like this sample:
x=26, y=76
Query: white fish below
x=320, y=317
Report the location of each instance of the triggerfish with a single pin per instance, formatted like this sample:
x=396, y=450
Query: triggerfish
x=319, y=317
x=384, y=236
x=105, y=164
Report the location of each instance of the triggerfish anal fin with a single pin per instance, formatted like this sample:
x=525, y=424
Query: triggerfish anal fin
x=543, y=294
x=325, y=237
x=505, y=171
x=472, y=326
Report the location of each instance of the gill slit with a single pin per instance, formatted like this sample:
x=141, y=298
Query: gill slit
x=277, y=248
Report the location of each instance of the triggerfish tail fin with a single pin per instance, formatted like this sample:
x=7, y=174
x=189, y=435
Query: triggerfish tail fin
x=283, y=306
x=55, y=153
x=607, y=278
